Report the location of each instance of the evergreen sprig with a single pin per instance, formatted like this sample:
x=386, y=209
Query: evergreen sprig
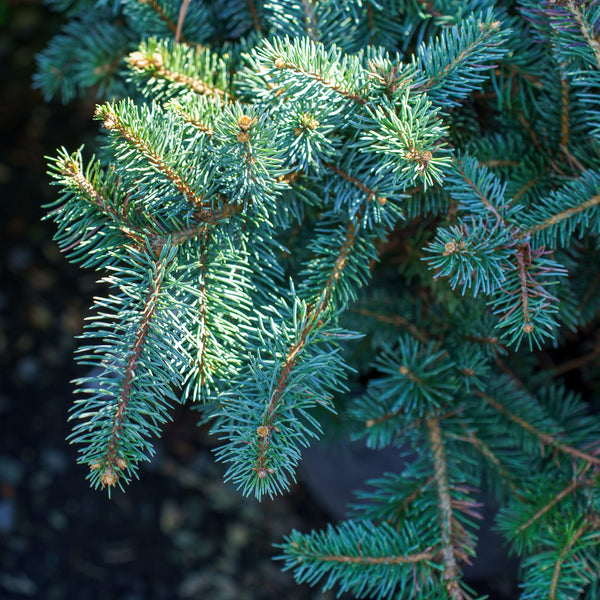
x=369, y=560
x=135, y=339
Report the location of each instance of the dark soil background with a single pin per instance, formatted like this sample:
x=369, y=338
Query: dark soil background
x=177, y=533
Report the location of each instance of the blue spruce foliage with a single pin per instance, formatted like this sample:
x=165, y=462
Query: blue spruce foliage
x=375, y=213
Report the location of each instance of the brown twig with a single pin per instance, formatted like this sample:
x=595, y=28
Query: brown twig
x=182, y=11
x=451, y=569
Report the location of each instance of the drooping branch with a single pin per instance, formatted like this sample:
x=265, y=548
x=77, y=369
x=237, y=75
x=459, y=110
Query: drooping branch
x=113, y=462
x=264, y=431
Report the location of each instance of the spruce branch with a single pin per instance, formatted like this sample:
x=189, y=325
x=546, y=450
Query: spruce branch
x=115, y=123
x=68, y=171
x=572, y=24
x=490, y=255
x=451, y=570
x=333, y=274
x=530, y=311
x=561, y=562
x=569, y=210
x=473, y=256
x=367, y=559
x=492, y=457
x=477, y=189
x=416, y=382
x=292, y=66
x=568, y=562
x=545, y=438
x=164, y=69
x=573, y=486
x=111, y=459
x=95, y=186
x=371, y=194
x=88, y=52
x=394, y=498
x=200, y=120
x=477, y=41
x=289, y=377
x=132, y=392
x=265, y=431
x=408, y=135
